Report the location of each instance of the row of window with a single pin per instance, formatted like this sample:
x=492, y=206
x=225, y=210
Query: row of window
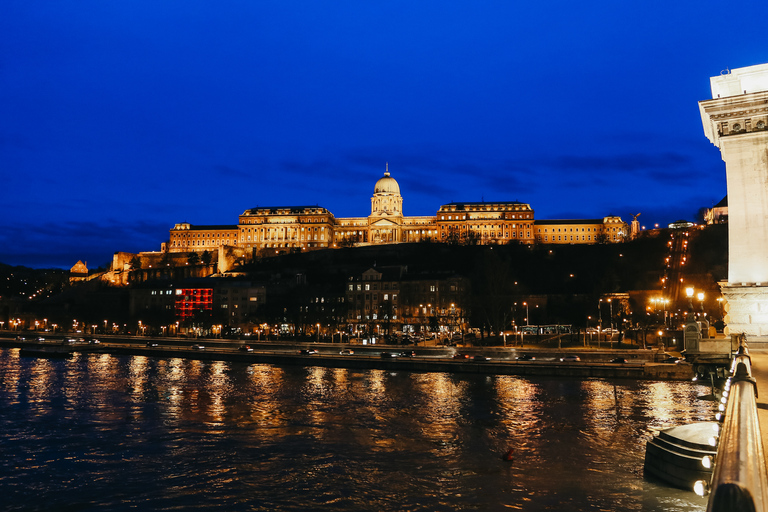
x=560, y=239
x=263, y=220
x=202, y=243
x=375, y=297
x=570, y=230
x=374, y=286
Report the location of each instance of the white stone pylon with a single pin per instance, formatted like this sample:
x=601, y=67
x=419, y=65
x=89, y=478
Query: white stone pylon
x=736, y=121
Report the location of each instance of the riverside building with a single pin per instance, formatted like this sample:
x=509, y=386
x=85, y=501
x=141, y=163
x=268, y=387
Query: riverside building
x=581, y=231
x=297, y=228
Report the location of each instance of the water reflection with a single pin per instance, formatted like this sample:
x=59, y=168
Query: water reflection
x=198, y=435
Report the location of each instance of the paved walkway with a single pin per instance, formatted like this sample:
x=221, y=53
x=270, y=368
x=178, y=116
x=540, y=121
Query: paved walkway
x=760, y=373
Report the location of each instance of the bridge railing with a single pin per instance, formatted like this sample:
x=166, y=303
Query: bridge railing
x=739, y=479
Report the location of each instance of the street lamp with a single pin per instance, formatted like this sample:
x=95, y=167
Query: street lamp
x=611, y=317
x=689, y=294
x=453, y=317
x=599, y=317
x=526, y=313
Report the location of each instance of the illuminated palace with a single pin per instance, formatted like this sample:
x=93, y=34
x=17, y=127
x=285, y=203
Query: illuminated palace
x=296, y=228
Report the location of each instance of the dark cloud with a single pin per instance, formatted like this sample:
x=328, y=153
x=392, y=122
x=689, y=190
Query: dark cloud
x=307, y=106
x=58, y=243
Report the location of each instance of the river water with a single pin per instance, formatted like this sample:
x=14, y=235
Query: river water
x=104, y=432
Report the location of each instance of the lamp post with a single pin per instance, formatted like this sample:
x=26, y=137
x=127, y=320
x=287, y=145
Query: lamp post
x=527, y=322
x=421, y=321
x=610, y=304
x=689, y=294
x=514, y=324
x=599, y=315
x=453, y=318
x=429, y=311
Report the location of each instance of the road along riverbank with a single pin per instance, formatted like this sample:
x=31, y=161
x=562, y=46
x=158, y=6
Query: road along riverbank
x=573, y=363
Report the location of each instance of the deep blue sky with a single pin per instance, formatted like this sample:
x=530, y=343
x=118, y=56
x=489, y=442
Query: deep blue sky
x=121, y=118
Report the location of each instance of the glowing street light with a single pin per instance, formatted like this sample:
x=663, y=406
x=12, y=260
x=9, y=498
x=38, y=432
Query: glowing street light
x=611, y=312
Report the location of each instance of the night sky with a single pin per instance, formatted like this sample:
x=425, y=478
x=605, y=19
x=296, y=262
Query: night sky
x=121, y=118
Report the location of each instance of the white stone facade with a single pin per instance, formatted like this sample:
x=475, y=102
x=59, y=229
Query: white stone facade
x=736, y=121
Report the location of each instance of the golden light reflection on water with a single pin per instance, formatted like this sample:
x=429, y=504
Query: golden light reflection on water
x=397, y=440
x=137, y=373
x=172, y=372
x=315, y=384
x=441, y=398
x=218, y=388
x=264, y=380
x=375, y=381
x=516, y=395
x=41, y=376
x=9, y=379
x=667, y=401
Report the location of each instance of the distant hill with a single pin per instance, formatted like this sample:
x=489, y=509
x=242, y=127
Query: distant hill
x=540, y=269
x=25, y=282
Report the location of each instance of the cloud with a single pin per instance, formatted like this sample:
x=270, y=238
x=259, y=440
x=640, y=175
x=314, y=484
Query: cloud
x=62, y=244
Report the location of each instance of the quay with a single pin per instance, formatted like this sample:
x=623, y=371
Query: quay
x=592, y=363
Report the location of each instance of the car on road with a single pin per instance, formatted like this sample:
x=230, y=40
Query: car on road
x=620, y=360
x=672, y=360
x=151, y=344
x=198, y=347
x=525, y=357
x=570, y=358
x=479, y=358
x=347, y=352
x=245, y=348
x=94, y=342
x=388, y=355
x=461, y=356
x=408, y=353
x=307, y=351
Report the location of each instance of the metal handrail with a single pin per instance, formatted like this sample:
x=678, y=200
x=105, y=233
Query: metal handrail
x=740, y=480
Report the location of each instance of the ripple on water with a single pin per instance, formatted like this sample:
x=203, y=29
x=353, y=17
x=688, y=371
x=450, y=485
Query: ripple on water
x=125, y=433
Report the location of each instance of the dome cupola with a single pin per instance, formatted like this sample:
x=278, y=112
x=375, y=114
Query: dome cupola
x=386, y=200
x=387, y=184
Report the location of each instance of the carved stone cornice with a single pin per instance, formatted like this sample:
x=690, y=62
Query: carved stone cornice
x=734, y=115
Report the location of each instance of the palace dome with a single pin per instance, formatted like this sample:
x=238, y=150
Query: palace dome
x=387, y=185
